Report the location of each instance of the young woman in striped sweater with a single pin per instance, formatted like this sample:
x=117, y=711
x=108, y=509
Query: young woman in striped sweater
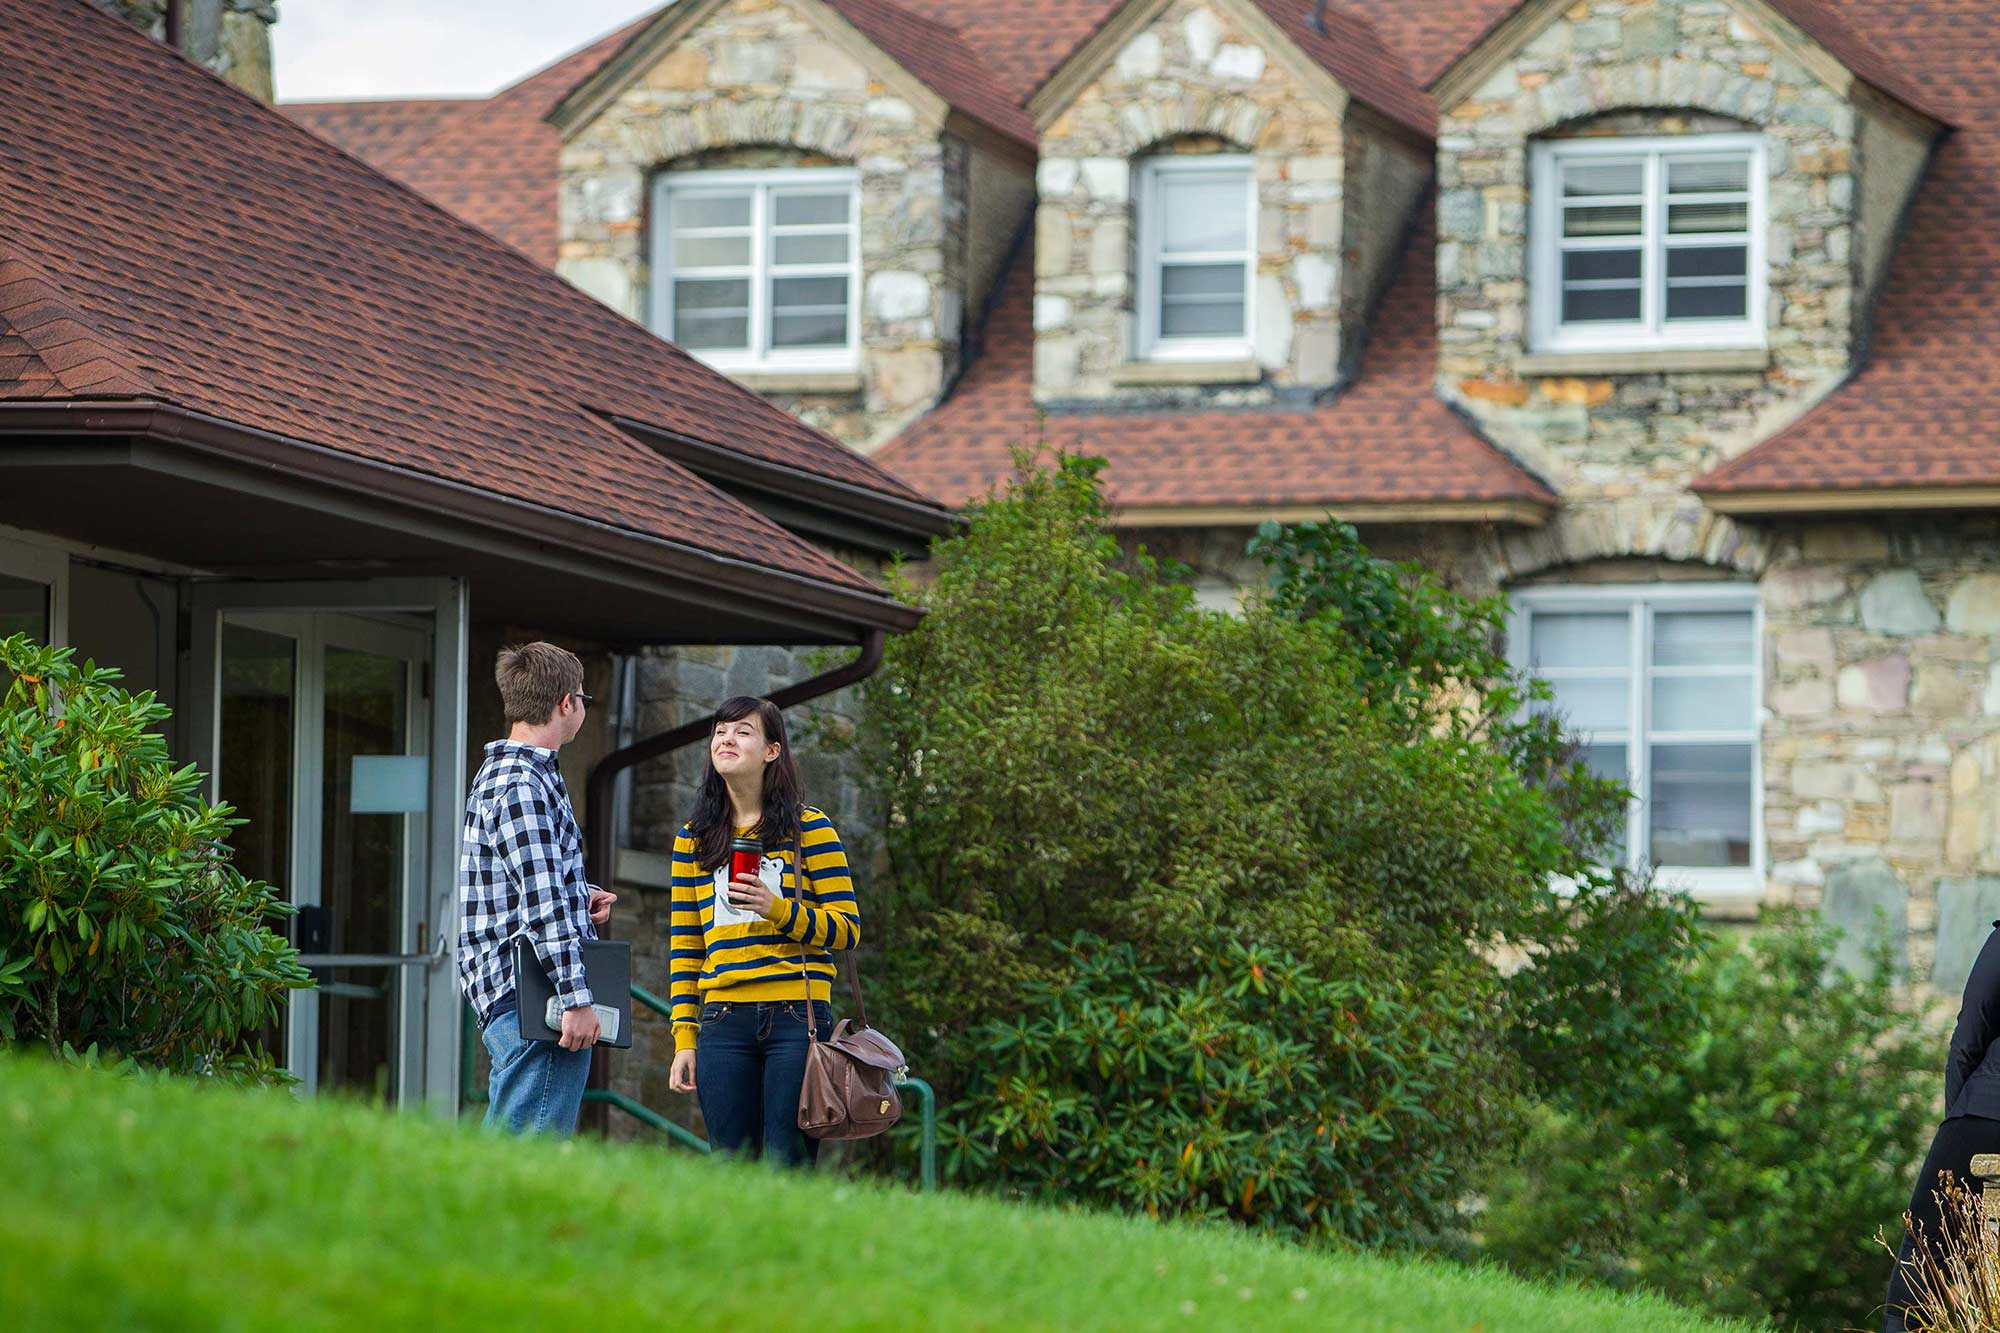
x=738, y=991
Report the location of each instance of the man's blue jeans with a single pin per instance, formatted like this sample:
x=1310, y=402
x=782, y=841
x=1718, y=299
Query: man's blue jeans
x=748, y=1066
x=536, y=1087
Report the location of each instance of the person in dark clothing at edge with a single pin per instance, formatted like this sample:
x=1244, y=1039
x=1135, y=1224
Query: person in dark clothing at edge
x=1971, y=1115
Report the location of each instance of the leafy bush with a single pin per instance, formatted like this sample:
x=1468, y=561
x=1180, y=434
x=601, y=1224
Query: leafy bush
x=1769, y=1143
x=1069, y=744
x=1259, y=1092
x=123, y=927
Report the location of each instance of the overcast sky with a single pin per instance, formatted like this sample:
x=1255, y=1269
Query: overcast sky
x=417, y=48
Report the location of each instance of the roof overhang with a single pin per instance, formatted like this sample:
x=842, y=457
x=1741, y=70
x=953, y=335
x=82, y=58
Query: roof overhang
x=181, y=487
x=1868, y=499
x=1524, y=513
x=823, y=508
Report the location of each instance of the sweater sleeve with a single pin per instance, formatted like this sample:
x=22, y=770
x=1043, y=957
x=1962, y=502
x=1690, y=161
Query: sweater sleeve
x=824, y=913
x=687, y=946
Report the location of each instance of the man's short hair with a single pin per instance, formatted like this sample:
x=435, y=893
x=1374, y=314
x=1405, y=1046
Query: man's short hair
x=533, y=679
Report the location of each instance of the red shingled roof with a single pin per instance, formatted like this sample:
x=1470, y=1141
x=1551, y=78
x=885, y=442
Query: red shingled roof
x=1924, y=411
x=1917, y=414
x=201, y=250
x=1384, y=440
x=938, y=56
x=380, y=131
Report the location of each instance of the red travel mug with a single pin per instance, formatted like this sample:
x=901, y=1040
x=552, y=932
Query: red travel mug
x=745, y=855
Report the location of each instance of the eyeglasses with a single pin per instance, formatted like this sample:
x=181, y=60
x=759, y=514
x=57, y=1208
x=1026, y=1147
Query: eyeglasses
x=581, y=697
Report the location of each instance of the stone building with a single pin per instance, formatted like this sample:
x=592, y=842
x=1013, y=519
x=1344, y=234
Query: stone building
x=1671, y=318
x=296, y=451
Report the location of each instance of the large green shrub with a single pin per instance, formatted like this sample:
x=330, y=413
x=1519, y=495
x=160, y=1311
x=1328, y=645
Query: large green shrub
x=1772, y=1137
x=1070, y=744
x=1259, y=1092
x=123, y=925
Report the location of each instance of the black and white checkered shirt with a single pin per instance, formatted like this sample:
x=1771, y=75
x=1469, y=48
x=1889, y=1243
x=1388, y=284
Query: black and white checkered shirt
x=520, y=872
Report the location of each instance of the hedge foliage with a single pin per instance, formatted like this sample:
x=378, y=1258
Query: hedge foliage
x=125, y=932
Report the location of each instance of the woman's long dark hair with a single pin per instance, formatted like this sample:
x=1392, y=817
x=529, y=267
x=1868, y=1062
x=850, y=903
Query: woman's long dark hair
x=714, y=818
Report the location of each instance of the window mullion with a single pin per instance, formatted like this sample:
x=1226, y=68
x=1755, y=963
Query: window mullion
x=1653, y=226
x=760, y=263
x=1640, y=756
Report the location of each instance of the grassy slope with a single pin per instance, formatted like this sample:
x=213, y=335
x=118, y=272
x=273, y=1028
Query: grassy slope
x=135, y=1206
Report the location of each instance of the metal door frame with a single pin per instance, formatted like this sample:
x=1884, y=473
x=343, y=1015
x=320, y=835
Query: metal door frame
x=428, y=1004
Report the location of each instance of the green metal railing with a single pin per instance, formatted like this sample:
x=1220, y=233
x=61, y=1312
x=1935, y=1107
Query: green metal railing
x=470, y=1094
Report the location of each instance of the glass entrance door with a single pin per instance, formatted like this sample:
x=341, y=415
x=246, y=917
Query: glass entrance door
x=322, y=729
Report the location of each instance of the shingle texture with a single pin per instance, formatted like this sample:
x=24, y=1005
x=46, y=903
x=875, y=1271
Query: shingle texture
x=164, y=235
x=1918, y=413
x=1386, y=440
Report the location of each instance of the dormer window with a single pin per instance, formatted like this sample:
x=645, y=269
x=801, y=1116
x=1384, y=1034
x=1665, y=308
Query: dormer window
x=1654, y=243
x=758, y=270
x=1197, y=257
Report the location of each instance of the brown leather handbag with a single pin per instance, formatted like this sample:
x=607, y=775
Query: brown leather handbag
x=850, y=1084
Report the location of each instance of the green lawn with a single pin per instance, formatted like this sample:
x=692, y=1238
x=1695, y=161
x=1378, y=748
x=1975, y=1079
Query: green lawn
x=127, y=1205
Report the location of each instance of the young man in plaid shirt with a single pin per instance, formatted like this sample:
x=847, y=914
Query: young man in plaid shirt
x=521, y=873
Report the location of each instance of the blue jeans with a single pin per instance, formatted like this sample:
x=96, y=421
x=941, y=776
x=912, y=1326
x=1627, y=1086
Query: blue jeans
x=748, y=1066
x=536, y=1086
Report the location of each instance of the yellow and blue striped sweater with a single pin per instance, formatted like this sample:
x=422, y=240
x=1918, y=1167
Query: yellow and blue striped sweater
x=716, y=952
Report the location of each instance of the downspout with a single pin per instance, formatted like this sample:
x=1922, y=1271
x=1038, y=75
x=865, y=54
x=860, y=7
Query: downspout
x=601, y=845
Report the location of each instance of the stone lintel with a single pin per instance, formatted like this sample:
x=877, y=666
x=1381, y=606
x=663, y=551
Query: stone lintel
x=799, y=381
x=1245, y=371
x=1636, y=362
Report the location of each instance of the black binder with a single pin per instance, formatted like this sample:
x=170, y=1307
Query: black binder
x=607, y=970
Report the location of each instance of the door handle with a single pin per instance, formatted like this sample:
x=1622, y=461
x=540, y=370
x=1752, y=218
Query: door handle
x=368, y=959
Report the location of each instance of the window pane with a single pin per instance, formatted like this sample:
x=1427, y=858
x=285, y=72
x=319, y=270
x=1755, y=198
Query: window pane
x=1612, y=220
x=711, y=252
x=712, y=332
x=791, y=209
x=809, y=293
x=817, y=329
x=1597, y=305
x=1201, y=301
x=1195, y=282
x=1707, y=175
x=1610, y=761
x=1701, y=638
x=1707, y=302
x=1685, y=219
x=24, y=609
x=810, y=248
x=713, y=295
x=711, y=210
x=1601, y=266
x=1204, y=212
x=1707, y=261
x=1207, y=319
x=1701, y=703
x=1585, y=179
x=1597, y=704
x=1579, y=639
x=712, y=314
x=1700, y=805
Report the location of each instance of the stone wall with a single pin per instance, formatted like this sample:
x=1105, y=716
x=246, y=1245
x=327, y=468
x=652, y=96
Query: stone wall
x=1606, y=67
x=1882, y=738
x=1193, y=80
x=231, y=37
x=757, y=74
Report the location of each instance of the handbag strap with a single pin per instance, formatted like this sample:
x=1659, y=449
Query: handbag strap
x=853, y=967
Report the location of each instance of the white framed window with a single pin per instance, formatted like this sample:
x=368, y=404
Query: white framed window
x=1662, y=686
x=34, y=591
x=1197, y=257
x=759, y=270
x=1644, y=243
